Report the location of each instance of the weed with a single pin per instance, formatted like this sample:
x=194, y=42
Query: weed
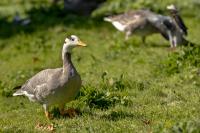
x=177, y=61
x=101, y=99
x=115, y=84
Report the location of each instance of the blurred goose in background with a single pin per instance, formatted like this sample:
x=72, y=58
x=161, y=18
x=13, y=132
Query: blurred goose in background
x=55, y=86
x=145, y=22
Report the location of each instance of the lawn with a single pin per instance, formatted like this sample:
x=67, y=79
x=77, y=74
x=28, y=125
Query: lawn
x=127, y=86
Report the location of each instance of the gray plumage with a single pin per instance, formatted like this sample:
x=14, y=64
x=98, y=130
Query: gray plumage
x=144, y=23
x=45, y=84
x=55, y=86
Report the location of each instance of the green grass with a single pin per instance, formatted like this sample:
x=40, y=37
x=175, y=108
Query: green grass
x=127, y=86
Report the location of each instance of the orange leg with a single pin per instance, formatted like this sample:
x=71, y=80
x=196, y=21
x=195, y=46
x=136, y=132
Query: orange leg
x=48, y=115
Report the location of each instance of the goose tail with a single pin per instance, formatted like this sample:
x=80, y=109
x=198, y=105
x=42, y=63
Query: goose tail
x=107, y=19
x=19, y=92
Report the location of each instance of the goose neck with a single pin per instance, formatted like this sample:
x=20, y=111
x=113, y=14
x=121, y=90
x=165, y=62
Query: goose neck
x=67, y=60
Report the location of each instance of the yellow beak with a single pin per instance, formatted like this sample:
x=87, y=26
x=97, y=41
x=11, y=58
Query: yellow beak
x=81, y=44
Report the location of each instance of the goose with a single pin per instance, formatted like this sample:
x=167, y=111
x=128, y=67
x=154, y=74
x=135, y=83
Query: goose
x=55, y=86
x=145, y=22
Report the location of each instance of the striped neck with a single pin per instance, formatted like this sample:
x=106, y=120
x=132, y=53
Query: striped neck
x=179, y=22
x=67, y=61
x=174, y=14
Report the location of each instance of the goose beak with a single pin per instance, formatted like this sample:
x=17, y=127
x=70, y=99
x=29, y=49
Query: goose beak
x=80, y=43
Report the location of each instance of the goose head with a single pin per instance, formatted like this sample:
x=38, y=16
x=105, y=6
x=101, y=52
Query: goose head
x=72, y=42
x=172, y=8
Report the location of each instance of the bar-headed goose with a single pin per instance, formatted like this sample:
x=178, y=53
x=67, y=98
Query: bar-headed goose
x=55, y=86
x=145, y=22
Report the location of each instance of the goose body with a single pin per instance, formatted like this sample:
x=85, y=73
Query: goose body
x=141, y=23
x=144, y=23
x=55, y=86
x=50, y=86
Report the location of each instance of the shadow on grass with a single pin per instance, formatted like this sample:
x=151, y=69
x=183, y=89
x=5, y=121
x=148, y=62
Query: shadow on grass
x=56, y=113
x=44, y=17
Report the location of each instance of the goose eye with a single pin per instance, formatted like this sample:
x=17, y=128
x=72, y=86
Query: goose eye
x=72, y=39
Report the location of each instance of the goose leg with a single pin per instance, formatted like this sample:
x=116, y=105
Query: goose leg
x=170, y=39
x=175, y=41
x=47, y=113
x=128, y=34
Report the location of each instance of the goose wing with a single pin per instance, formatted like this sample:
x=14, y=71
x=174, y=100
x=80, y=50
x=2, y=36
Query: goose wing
x=136, y=23
x=163, y=24
x=125, y=21
x=43, y=81
x=127, y=17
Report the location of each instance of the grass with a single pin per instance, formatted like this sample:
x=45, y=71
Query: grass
x=127, y=86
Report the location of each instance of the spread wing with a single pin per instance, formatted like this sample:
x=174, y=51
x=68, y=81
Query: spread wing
x=163, y=24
